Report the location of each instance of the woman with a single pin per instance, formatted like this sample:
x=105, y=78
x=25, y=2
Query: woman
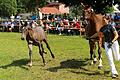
x=110, y=44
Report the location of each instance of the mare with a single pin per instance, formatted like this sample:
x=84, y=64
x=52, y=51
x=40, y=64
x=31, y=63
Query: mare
x=35, y=36
x=94, y=24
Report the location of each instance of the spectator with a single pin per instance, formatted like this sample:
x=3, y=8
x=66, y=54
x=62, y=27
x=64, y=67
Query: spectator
x=116, y=17
x=58, y=18
x=77, y=25
x=60, y=27
x=34, y=24
x=33, y=17
x=53, y=23
x=18, y=17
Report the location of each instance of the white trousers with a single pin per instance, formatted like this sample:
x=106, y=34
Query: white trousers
x=115, y=50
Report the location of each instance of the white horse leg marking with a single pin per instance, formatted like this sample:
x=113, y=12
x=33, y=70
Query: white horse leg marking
x=30, y=54
x=100, y=64
x=95, y=60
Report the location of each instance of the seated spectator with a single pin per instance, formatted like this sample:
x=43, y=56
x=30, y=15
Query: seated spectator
x=66, y=23
x=45, y=26
x=116, y=17
x=33, y=17
x=10, y=26
x=77, y=25
x=58, y=19
x=53, y=23
x=60, y=27
x=18, y=17
x=34, y=24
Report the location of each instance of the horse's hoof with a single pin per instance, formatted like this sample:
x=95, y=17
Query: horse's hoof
x=44, y=64
x=45, y=52
x=94, y=62
x=100, y=67
x=91, y=63
x=53, y=56
x=29, y=64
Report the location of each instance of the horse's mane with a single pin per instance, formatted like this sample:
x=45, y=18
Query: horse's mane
x=30, y=31
x=95, y=23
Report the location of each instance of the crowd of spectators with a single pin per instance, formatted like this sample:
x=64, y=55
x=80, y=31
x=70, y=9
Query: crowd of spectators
x=114, y=20
x=61, y=25
x=51, y=24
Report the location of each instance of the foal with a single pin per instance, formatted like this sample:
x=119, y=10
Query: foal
x=35, y=36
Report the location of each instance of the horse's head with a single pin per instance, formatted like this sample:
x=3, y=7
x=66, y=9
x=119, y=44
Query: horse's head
x=88, y=11
x=25, y=31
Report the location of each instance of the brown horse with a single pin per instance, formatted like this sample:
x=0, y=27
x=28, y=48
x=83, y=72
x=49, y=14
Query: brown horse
x=35, y=36
x=95, y=22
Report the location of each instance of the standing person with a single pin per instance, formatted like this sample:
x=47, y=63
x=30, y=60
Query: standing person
x=111, y=45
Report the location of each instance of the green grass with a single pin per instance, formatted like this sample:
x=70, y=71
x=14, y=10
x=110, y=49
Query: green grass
x=71, y=60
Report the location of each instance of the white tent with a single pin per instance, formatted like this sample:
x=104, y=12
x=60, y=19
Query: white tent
x=116, y=8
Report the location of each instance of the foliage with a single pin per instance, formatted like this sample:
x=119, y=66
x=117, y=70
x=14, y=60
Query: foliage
x=30, y=5
x=108, y=9
x=21, y=5
x=76, y=10
x=8, y=7
x=98, y=5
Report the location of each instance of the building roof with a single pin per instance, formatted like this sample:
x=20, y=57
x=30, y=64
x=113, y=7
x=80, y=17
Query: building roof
x=54, y=4
x=50, y=10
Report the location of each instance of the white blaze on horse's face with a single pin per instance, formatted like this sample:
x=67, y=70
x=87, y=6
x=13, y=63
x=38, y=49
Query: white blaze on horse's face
x=24, y=32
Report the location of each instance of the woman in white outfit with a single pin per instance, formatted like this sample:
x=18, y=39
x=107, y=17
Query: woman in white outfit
x=111, y=45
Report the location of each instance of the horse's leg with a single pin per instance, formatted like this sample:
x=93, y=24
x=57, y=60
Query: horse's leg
x=100, y=44
x=30, y=54
x=100, y=56
x=92, y=51
x=41, y=53
x=49, y=48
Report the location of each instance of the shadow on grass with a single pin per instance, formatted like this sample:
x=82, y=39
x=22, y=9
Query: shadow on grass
x=20, y=63
x=73, y=64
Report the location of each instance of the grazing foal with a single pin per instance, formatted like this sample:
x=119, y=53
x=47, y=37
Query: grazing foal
x=35, y=36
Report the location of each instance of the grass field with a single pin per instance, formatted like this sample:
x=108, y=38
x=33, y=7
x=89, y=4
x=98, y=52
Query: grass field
x=71, y=60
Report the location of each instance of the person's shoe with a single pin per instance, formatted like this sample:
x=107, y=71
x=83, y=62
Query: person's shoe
x=114, y=75
x=60, y=34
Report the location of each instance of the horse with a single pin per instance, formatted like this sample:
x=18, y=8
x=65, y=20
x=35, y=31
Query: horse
x=35, y=36
x=94, y=23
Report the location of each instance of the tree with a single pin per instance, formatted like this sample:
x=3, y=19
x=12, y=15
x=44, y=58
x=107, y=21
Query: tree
x=29, y=5
x=36, y=3
x=8, y=7
x=76, y=10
